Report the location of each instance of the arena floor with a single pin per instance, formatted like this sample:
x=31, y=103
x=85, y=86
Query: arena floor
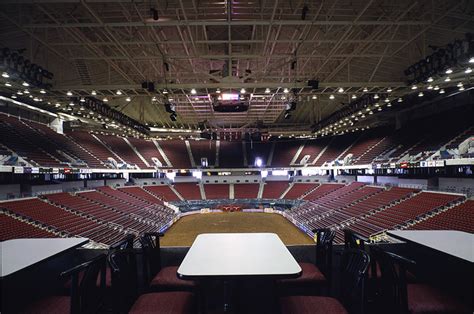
x=183, y=232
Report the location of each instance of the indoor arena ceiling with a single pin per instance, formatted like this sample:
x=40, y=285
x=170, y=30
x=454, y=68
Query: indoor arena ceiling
x=180, y=45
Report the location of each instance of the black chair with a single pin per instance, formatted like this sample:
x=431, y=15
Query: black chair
x=125, y=290
x=160, y=278
x=354, y=264
x=85, y=295
x=399, y=296
x=313, y=277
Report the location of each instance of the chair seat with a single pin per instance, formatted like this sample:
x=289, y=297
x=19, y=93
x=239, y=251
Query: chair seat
x=310, y=275
x=167, y=279
x=50, y=305
x=427, y=299
x=164, y=303
x=311, y=305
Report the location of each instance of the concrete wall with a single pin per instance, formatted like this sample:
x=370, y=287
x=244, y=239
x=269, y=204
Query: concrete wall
x=94, y=183
x=9, y=191
x=346, y=178
x=366, y=179
x=115, y=182
x=458, y=185
x=153, y=181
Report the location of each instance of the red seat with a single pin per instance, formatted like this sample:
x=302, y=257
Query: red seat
x=427, y=299
x=310, y=274
x=50, y=305
x=167, y=279
x=311, y=305
x=164, y=303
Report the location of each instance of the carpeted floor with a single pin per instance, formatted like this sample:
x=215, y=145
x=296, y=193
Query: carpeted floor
x=183, y=232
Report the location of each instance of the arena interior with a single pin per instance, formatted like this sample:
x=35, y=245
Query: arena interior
x=133, y=131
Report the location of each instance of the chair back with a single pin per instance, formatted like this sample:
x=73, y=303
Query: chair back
x=394, y=297
x=354, y=265
x=125, y=243
x=353, y=240
x=324, y=241
x=86, y=295
x=150, y=243
x=123, y=264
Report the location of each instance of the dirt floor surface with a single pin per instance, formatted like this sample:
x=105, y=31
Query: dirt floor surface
x=185, y=230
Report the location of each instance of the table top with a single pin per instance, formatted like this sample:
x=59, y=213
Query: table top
x=238, y=254
x=455, y=243
x=19, y=254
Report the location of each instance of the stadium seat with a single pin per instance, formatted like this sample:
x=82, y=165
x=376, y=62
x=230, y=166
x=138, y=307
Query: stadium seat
x=353, y=271
x=85, y=295
x=160, y=278
x=398, y=296
x=124, y=273
x=313, y=277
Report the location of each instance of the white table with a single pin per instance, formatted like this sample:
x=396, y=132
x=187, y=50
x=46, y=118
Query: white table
x=238, y=255
x=18, y=254
x=455, y=243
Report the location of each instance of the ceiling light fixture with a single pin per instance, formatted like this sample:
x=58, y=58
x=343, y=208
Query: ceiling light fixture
x=414, y=87
x=267, y=90
x=436, y=87
x=447, y=79
x=69, y=93
x=376, y=96
x=420, y=94
x=365, y=90
x=218, y=91
x=471, y=60
x=93, y=93
x=354, y=96
x=286, y=90
x=430, y=79
x=8, y=84
x=400, y=99
x=331, y=97
x=118, y=92
x=105, y=99
x=193, y=91
x=389, y=90
x=25, y=84
x=340, y=90
x=128, y=99
x=441, y=91
x=430, y=87
x=314, y=97
x=42, y=91
x=5, y=75
x=242, y=91
x=468, y=70
x=449, y=71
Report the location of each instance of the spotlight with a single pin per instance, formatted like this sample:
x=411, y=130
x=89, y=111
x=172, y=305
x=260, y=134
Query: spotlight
x=389, y=90
x=25, y=84
x=468, y=70
x=258, y=162
x=193, y=91
x=267, y=90
x=449, y=71
x=105, y=99
x=447, y=79
x=331, y=97
x=118, y=92
x=441, y=91
x=93, y=93
x=376, y=96
x=42, y=91
x=69, y=93
x=128, y=99
x=5, y=75
x=340, y=90
x=286, y=91
x=8, y=84
x=420, y=94
x=430, y=79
